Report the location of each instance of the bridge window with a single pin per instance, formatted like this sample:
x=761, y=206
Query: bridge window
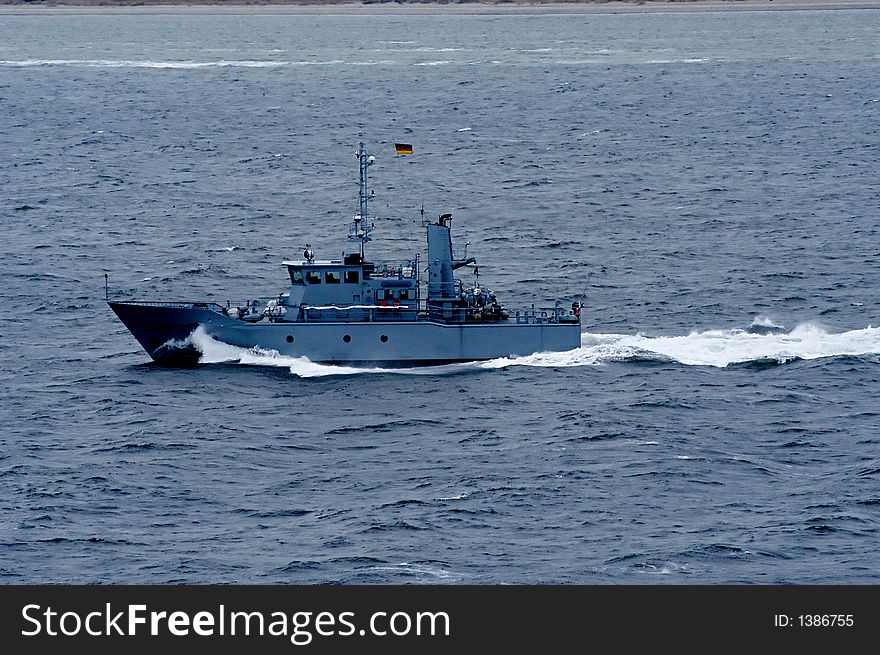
x=351, y=277
x=313, y=277
x=296, y=276
x=404, y=294
x=331, y=277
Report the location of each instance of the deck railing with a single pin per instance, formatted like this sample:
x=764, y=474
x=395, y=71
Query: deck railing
x=366, y=313
x=408, y=271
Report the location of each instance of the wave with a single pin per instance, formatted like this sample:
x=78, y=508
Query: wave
x=692, y=60
x=217, y=352
x=764, y=325
x=114, y=63
x=716, y=348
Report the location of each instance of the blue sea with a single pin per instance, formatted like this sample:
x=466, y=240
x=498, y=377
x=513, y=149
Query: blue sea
x=707, y=182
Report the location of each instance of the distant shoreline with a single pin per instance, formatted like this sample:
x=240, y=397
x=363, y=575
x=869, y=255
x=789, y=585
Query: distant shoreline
x=316, y=7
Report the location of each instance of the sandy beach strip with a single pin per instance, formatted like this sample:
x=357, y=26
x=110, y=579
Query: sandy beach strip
x=418, y=8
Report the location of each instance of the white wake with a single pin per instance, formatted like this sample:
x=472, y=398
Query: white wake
x=718, y=348
x=709, y=348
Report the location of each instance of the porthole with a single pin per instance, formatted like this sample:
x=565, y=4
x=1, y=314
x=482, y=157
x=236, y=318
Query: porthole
x=346, y=338
x=383, y=338
x=289, y=338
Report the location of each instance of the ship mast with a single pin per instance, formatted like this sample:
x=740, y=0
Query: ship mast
x=360, y=227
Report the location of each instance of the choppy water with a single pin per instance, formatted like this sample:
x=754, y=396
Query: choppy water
x=709, y=179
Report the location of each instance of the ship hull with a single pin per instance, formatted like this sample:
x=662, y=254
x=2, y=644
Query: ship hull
x=163, y=330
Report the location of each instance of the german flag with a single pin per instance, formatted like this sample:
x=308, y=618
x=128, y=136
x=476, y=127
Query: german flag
x=403, y=148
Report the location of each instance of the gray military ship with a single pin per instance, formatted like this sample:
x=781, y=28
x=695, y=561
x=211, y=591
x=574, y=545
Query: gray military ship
x=355, y=312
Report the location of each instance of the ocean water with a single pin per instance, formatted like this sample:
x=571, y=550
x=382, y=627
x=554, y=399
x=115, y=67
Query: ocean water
x=707, y=181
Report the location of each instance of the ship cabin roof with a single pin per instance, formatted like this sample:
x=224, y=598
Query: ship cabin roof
x=315, y=263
